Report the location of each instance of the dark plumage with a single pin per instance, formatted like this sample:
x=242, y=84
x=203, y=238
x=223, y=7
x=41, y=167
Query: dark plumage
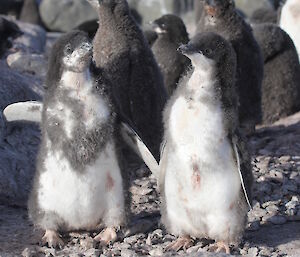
x=8, y=30
x=122, y=51
x=171, y=34
x=78, y=183
x=11, y=7
x=281, y=83
x=220, y=16
x=264, y=15
x=151, y=36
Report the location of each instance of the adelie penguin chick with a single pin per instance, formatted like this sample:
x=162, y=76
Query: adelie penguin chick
x=120, y=48
x=290, y=21
x=204, y=174
x=78, y=183
x=171, y=34
x=220, y=16
x=281, y=83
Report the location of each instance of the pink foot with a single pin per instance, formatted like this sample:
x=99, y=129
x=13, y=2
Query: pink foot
x=52, y=238
x=221, y=247
x=184, y=242
x=107, y=236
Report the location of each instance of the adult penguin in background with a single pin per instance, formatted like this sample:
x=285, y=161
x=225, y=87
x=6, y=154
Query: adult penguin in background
x=171, y=34
x=220, y=16
x=264, y=15
x=121, y=50
x=281, y=83
x=78, y=184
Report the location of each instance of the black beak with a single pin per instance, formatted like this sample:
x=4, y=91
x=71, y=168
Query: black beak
x=186, y=49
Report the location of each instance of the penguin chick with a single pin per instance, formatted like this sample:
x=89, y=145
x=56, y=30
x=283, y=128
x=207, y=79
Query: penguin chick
x=281, y=83
x=290, y=21
x=171, y=34
x=122, y=51
x=220, y=16
x=205, y=172
x=78, y=183
x=8, y=30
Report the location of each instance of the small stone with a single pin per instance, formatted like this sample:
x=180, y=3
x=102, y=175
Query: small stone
x=92, y=252
x=87, y=243
x=29, y=252
x=276, y=176
x=254, y=226
x=284, y=159
x=193, y=249
x=130, y=240
x=277, y=220
x=265, y=252
x=142, y=226
x=156, y=252
x=128, y=253
x=252, y=252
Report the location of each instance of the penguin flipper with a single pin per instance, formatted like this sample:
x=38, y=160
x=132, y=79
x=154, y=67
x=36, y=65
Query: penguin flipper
x=136, y=143
x=30, y=111
x=244, y=168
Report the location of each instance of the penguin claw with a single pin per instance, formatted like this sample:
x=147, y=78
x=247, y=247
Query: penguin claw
x=52, y=239
x=221, y=246
x=184, y=242
x=106, y=236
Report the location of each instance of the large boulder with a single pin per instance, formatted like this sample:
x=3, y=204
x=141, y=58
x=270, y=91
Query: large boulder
x=65, y=15
x=18, y=142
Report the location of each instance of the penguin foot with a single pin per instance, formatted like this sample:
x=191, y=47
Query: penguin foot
x=52, y=238
x=106, y=237
x=184, y=242
x=221, y=247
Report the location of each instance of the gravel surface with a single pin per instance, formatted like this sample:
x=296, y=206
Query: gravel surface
x=273, y=227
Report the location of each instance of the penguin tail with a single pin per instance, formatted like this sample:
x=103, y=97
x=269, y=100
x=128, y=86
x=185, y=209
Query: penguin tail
x=30, y=111
x=135, y=142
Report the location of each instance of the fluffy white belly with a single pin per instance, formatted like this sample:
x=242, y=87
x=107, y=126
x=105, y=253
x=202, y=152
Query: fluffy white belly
x=82, y=199
x=202, y=183
x=290, y=21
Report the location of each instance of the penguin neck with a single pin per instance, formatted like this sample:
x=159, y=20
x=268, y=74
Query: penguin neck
x=75, y=81
x=204, y=74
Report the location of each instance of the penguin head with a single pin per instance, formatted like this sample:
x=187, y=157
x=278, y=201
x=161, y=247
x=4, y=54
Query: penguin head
x=217, y=8
x=172, y=25
x=73, y=52
x=119, y=7
x=206, y=49
x=75, y=49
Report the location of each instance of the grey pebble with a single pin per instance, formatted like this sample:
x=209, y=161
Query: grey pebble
x=277, y=220
x=252, y=252
x=128, y=253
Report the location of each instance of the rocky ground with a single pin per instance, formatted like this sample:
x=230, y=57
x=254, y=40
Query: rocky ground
x=273, y=227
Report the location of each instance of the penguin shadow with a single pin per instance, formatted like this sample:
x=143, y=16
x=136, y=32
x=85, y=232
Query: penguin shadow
x=274, y=235
x=277, y=141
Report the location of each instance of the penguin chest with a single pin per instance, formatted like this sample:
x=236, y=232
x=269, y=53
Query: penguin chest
x=78, y=104
x=202, y=181
x=290, y=16
x=82, y=200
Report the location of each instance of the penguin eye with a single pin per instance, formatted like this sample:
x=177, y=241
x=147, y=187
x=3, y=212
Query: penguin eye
x=68, y=49
x=208, y=51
